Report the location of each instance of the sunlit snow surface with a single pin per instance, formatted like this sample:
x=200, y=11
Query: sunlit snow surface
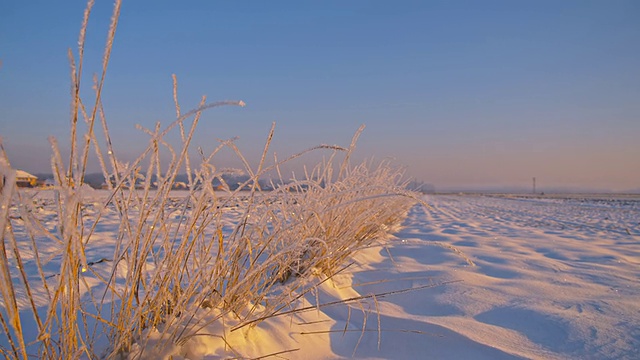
x=529, y=277
x=554, y=276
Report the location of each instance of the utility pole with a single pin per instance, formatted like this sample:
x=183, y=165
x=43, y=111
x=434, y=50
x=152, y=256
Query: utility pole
x=534, y=185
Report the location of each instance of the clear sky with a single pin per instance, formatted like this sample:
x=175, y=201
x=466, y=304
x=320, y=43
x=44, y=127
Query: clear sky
x=474, y=94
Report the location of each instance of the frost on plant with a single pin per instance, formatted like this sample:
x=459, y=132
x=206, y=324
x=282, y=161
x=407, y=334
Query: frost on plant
x=208, y=259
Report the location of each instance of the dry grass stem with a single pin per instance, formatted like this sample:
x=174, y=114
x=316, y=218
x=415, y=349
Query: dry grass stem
x=220, y=257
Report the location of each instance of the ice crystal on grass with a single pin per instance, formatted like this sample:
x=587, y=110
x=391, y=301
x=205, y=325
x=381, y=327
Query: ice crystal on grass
x=178, y=269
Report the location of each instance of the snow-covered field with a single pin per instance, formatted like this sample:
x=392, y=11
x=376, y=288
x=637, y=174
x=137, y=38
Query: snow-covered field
x=553, y=278
x=495, y=277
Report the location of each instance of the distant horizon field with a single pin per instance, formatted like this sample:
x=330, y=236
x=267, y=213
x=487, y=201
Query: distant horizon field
x=444, y=189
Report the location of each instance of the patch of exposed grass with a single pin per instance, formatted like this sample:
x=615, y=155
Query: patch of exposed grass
x=172, y=260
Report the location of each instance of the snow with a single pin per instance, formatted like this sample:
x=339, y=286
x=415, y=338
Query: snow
x=495, y=277
x=554, y=278
x=21, y=174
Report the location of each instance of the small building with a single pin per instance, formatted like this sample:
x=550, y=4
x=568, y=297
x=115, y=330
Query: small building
x=24, y=179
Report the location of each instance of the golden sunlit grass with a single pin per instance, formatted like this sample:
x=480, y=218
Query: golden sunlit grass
x=165, y=269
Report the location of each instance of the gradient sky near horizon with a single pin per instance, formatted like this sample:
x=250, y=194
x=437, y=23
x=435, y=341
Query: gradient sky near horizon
x=465, y=94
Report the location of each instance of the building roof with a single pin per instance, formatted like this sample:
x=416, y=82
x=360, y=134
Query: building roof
x=24, y=175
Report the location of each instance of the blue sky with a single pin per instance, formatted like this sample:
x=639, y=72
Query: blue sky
x=465, y=94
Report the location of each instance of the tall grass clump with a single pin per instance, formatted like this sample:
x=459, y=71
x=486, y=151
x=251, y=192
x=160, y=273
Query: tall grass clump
x=178, y=265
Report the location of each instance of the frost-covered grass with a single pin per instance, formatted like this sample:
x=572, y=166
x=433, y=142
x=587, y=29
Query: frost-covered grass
x=175, y=267
x=172, y=258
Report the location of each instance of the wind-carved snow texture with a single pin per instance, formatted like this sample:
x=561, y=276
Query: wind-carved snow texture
x=554, y=277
